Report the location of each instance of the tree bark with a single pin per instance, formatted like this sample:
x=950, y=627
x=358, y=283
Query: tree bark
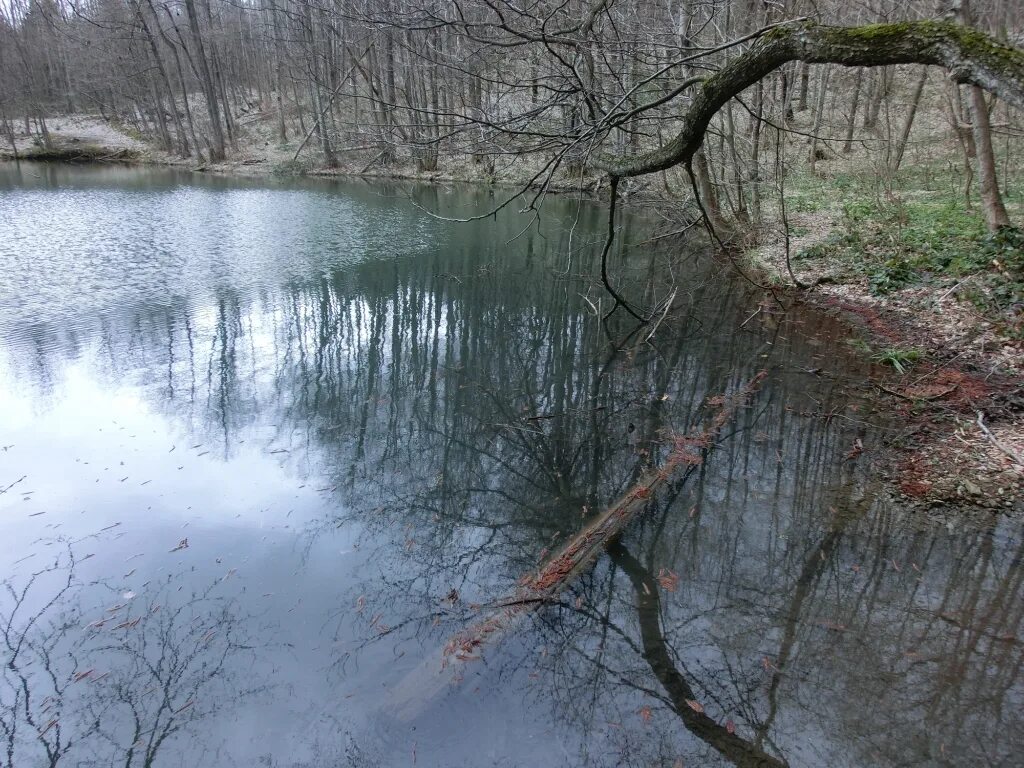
x=988, y=184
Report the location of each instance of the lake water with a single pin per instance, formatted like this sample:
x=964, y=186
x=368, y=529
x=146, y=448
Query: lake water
x=265, y=447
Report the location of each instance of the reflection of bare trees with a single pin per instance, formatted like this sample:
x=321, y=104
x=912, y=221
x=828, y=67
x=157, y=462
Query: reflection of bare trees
x=829, y=642
x=92, y=683
x=467, y=411
x=681, y=695
x=35, y=624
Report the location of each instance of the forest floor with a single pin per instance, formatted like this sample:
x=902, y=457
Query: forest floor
x=933, y=299
x=927, y=294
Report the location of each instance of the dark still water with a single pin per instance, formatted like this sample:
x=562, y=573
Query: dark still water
x=266, y=447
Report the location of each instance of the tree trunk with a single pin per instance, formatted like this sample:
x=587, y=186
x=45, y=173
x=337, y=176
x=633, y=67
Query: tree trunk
x=988, y=184
x=852, y=125
x=206, y=81
x=897, y=155
x=993, y=66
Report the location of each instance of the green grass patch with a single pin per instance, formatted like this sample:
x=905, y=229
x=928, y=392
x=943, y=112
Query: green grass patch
x=899, y=241
x=900, y=359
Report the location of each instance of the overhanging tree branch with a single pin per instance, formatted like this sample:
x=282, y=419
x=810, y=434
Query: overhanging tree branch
x=969, y=55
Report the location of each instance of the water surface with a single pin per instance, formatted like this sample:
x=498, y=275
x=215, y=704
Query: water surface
x=266, y=446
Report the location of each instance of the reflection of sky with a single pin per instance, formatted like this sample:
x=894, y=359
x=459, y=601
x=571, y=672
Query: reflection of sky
x=174, y=241
x=104, y=453
x=123, y=461
x=292, y=431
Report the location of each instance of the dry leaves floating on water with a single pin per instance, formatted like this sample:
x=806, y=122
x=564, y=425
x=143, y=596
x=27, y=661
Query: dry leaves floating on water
x=183, y=544
x=696, y=706
x=669, y=580
x=730, y=726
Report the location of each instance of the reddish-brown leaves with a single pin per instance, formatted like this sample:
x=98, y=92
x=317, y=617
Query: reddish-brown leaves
x=668, y=579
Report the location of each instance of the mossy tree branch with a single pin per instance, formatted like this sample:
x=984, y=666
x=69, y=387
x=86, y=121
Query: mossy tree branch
x=970, y=56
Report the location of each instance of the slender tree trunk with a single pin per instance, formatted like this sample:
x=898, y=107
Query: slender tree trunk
x=897, y=156
x=819, y=114
x=206, y=80
x=988, y=184
x=851, y=126
x=805, y=79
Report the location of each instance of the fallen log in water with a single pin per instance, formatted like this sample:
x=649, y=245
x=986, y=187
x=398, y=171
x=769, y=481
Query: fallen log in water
x=429, y=679
x=535, y=589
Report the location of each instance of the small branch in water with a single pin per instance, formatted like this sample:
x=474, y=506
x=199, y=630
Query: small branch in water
x=937, y=396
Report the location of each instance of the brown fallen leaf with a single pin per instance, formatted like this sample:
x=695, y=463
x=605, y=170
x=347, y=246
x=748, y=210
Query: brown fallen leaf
x=645, y=714
x=730, y=726
x=696, y=706
x=668, y=579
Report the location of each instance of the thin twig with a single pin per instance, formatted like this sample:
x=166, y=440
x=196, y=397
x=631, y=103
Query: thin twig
x=985, y=430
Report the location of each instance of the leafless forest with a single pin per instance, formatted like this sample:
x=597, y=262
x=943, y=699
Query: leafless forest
x=536, y=90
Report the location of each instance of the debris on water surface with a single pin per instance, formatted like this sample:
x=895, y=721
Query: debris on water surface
x=668, y=579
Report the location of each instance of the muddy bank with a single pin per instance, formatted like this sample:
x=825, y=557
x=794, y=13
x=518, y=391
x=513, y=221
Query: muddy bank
x=955, y=388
